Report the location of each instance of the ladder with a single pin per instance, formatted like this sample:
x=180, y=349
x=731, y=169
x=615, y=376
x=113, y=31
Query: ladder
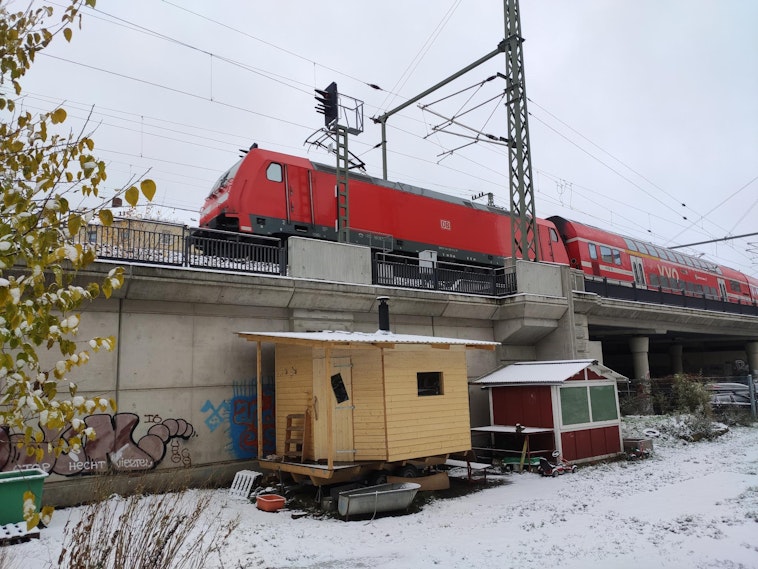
x=294, y=436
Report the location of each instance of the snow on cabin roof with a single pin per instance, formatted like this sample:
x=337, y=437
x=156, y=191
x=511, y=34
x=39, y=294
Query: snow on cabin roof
x=379, y=338
x=547, y=372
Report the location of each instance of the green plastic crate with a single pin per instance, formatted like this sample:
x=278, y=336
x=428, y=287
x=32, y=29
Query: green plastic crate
x=13, y=484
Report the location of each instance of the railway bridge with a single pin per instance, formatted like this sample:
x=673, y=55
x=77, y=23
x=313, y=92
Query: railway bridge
x=185, y=382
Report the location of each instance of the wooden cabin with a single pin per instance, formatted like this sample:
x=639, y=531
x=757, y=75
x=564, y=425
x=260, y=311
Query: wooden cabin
x=349, y=403
x=571, y=406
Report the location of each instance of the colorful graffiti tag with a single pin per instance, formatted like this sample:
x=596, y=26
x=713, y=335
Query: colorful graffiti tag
x=113, y=450
x=240, y=415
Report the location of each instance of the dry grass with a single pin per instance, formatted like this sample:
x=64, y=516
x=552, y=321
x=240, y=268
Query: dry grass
x=165, y=531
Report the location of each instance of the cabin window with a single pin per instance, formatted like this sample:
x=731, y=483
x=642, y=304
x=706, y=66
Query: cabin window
x=124, y=235
x=274, y=172
x=553, y=235
x=429, y=383
x=735, y=286
x=588, y=404
x=92, y=236
x=606, y=254
x=592, y=250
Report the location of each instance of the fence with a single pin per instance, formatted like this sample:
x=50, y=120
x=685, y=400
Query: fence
x=658, y=296
x=395, y=270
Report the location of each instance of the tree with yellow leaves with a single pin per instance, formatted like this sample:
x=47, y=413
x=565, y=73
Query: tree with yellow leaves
x=40, y=171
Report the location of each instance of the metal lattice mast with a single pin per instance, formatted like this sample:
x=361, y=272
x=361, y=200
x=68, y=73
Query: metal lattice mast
x=523, y=224
x=343, y=186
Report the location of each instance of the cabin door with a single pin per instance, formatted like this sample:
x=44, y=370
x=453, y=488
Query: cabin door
x=638, y=270
x=342, y=389
x=298, y=196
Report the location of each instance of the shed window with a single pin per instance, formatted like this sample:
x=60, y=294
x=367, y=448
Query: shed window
x=274, y=172
x=429, y=383
x=588, y=404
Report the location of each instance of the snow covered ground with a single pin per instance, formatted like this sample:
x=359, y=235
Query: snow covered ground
x=691, y=505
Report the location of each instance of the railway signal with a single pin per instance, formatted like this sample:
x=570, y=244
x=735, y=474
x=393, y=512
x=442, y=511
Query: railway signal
x=328, y=104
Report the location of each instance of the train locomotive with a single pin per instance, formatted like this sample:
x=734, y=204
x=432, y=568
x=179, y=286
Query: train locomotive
x=277, y=195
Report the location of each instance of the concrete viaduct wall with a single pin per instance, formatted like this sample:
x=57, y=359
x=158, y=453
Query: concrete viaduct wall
x=184, y=381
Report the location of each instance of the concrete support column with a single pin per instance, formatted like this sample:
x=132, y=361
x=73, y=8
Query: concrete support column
x=639, y=347
x=751, y=348
x=675, y=354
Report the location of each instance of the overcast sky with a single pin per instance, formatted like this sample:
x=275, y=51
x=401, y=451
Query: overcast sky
x=642, y=112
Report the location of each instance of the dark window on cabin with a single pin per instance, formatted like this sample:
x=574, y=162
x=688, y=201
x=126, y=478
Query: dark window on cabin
x=735, y=286
x=125, y=235
x=593, y=251
x=274, y=172
x=429, y=383
x=92, y=236
x=606, y=254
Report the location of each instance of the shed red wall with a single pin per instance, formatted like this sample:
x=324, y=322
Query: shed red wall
x=590, y=443
x=529, y=405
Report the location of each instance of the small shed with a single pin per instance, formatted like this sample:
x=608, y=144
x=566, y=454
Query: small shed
x=348, y=403
x=571, y=406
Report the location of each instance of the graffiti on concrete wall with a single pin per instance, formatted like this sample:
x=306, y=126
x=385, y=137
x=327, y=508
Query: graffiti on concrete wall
x=239, y=416
x=115, y=448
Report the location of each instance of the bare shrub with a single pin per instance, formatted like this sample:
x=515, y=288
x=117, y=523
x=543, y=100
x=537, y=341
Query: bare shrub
x=167, y=531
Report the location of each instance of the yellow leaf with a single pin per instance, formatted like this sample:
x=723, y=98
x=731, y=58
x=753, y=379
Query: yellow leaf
x=74, y=224
x=106, y=216
x=67, y=33
x=148, y=189
x=132, y=196
x=58, y=115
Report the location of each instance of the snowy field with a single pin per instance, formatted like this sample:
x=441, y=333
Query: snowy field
x=689, y=506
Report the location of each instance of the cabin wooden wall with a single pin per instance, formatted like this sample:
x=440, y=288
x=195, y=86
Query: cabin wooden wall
x=427, y=425
x=370, y=434
x=294, y=386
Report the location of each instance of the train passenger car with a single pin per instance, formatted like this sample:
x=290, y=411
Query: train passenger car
x=602, y=254
x=273, y=194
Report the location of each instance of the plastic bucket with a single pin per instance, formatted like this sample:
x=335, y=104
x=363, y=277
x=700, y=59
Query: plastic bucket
x=13, y=484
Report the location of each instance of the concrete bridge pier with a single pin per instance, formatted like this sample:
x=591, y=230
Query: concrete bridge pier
x=675, y=355
x=639, y=346
x=751, y=348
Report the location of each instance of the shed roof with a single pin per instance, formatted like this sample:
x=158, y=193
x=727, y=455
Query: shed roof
x=547, y=373
x=379, y=339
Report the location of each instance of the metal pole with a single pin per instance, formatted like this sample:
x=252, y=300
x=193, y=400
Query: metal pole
x=501, y=47
x=751, y=387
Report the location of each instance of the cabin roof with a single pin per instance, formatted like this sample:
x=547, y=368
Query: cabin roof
x=379, y=339
x=545, y=373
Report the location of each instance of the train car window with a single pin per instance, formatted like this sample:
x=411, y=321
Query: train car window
x=699, y=289
x=688, y=262
x=616, y=257
x=593, y=251
x=630, y=244
x=606, y=254
x=735, y=286
x=654, y=279
x=643, y=249
x=679, y=259
x=274, y=172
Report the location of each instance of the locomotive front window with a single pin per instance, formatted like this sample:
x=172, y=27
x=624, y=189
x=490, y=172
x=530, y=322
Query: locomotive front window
x=274, y=172
x=553, y=235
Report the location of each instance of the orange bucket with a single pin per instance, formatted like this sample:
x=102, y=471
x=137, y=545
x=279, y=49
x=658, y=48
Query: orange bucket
x=269, y=502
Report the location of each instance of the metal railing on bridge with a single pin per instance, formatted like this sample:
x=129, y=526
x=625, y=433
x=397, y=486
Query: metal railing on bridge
x=670, y=298
x=406, y=272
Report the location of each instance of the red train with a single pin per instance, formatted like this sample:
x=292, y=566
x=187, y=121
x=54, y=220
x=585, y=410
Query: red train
x=271, y=194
